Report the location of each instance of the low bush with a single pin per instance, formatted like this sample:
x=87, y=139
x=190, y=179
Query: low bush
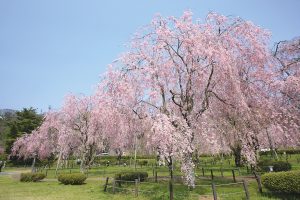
x=278, y=166
x=143, y=162
x=131, y=176
x=263, y=165
x=72, y=179
x=32, y=177
x=285, y=182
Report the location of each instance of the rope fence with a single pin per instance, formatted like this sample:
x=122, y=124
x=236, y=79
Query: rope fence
x=136, y=190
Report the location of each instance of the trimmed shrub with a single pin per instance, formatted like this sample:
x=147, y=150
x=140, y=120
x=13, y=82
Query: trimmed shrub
x=72, y=179
x=285, y=182
x=32, y=177
x=131, y=176
x=278, y=166
x=263, y=165
x=143, y=162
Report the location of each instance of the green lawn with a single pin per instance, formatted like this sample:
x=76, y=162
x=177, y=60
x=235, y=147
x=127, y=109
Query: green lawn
x=50, y=188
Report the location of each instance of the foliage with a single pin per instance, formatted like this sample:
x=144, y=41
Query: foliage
x=278, y=166
x=22, y=123
x=182, y=87
x=72, y=179
x=288, y=151
x=174, y=78
x=143, y=162
x=32, y=177
x=287, y=182
x=111, y=158
x=282, y=152
x=263, y=165
x=131, y=176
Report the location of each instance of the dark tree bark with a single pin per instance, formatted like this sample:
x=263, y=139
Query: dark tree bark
x=237, y=153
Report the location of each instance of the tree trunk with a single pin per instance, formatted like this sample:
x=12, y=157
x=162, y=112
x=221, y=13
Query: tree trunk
x=273, y=151
x=33, y=164
x=135, y=149
x=83, y=163
x=119, y=156
x=197, y=160
x=87, y=159
x=58, y=162
x=237, y=153
x=171, y=190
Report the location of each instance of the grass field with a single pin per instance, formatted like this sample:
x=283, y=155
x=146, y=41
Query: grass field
x=12, y=189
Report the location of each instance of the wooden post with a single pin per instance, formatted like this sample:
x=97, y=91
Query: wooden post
x=221, y=169
x=155, y=176
x=257, y=177
x=119, y=180
x=153, y=171
x=212, y=174
x=203, y=171
x=106, y=183
x=233, y=175
x=213, y=187
x=136, y=188
x=70, y=171
x=114, y=186
x=171, y=189
x=259, y=184
x=246, y=190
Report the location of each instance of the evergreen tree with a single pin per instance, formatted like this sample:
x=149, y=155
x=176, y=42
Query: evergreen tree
x=25, y=121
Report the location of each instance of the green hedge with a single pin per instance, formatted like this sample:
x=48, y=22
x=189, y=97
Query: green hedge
x=72, y=179
x=278, y=166
x=114, y=158
x=285, y=182
x=113, y=161
x=281, y=152
x=32, y=177
x=131, y=176
x=143, y=162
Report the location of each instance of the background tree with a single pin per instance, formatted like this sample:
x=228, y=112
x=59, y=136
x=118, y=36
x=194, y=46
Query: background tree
x=286, y=94
x=18, y=124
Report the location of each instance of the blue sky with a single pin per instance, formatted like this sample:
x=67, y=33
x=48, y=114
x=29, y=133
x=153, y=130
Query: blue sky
x=53, y=47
